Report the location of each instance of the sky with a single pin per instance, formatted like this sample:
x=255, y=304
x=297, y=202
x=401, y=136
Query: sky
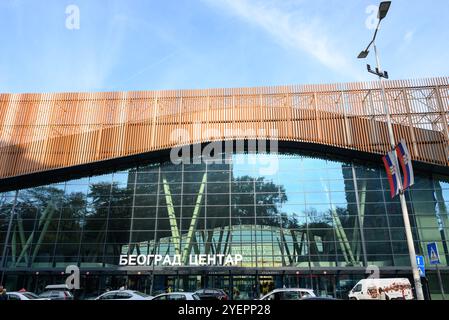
x=189, y=44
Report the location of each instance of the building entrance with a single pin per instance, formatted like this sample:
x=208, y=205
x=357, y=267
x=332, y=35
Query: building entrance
x=241, y=285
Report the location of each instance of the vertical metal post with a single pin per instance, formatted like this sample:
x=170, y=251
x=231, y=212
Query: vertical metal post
x=2, y=265
x=408, y=230
x=440, y=281
x=152, y=272
x=131, y=245
x=360, y=219
x=156, y=245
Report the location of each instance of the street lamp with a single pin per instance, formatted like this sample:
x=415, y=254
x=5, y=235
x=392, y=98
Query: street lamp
x=383, y=10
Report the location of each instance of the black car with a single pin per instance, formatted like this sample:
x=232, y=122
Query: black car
x=212, y=294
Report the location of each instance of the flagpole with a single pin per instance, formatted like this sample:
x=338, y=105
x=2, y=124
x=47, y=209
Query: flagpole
x=408, y=229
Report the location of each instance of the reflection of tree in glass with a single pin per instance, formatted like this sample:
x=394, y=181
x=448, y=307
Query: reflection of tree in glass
x=265, y=205
x=107, y=217
x=242, y=206
x=34, y=226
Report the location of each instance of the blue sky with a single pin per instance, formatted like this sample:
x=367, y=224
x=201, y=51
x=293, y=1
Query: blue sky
x=181, y=44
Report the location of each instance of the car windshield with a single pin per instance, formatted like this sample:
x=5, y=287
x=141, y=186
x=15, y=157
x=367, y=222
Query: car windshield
x=357, y=288
x=196, y=297
x=141, y=294
x=30, y=295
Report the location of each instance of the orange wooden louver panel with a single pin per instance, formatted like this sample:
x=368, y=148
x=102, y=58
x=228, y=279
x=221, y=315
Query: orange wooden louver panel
x=40, y=132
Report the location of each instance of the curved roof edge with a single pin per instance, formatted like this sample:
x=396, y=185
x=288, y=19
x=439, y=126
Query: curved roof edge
x=106, y=166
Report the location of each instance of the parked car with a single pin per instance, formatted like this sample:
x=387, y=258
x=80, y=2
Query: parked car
x=56, y=295
x=177, y=296
x=212, y=294
x=22, y=296
x=124, y=295
x=289, y=294
x=62, y=287
x=56, y=292
x=319, y=299
x=382, y=289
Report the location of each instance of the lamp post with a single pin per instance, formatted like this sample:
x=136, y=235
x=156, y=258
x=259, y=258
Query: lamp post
x=383, y=10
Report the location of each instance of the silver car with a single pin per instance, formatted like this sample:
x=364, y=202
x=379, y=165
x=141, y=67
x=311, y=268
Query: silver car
x=124, y=295
x=19, y=295
x=177, y=296
x=289, y=294
x=56, y=295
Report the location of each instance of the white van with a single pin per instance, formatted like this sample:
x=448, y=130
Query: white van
x=382, y=289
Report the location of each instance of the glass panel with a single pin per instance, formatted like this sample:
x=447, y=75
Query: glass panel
x=309, y=210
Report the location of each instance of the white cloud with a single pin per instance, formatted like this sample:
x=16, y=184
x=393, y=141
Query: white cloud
x=408, y=37
x=291, y=30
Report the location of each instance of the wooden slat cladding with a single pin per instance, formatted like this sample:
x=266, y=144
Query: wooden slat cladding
x=40, y=132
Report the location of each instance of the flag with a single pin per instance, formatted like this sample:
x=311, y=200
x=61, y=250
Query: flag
x=392, y=173
x=405, y=161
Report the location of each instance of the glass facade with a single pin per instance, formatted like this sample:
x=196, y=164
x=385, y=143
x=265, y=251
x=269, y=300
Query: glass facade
x=313, y=212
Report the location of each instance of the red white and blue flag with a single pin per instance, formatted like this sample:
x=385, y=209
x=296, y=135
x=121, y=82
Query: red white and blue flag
x=405, y=161
x=392, y=173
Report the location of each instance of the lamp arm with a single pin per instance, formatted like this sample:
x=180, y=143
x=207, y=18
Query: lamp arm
x=374, y=37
